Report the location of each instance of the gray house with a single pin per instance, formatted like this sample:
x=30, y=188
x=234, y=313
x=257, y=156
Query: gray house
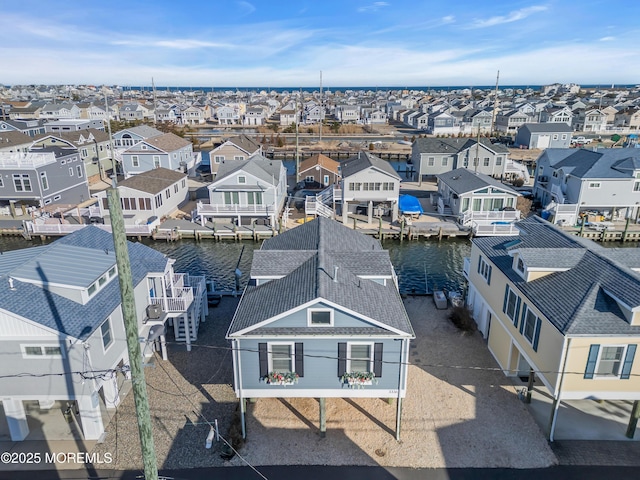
x=544, y=135
x=579, y=180
x=432, y=156
x=321, y=317
x=369, y=182
x=167, y=150
x=48, y=173
x=246, y=190
x=130, y=136
x=59, y=315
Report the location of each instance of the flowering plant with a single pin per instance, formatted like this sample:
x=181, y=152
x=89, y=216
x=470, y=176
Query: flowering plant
x=281, y=378
x=358, y=379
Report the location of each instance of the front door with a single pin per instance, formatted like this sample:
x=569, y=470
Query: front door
x=326, y=180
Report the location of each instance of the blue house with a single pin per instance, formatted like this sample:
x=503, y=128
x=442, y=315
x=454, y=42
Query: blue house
x=321, y=317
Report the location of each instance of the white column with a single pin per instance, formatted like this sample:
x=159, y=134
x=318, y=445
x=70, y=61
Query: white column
x=345, y=211
x=16, y=418
x=370, y=212
x=394, y=211
x=163, y=347
x=90, y=416
x=187, y=333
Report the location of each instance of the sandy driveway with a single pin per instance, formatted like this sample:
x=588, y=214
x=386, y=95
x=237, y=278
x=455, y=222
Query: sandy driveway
x=453, y=416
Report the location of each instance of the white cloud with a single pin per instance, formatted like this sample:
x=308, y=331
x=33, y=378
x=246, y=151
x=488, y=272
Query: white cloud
x=247, y=7
x=607, y=39
x=374, y=7
x=514, y=16
x=178, y=43
x=448, y=19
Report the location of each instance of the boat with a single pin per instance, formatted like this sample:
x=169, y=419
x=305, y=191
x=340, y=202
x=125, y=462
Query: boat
x=440, y=299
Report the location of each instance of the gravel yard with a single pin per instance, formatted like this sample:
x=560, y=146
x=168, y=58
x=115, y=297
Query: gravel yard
x=452, y=417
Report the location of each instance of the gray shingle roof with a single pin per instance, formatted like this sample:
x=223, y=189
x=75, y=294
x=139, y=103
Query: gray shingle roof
x=463, y=180
x=153, y=181
x=365, y=160
x=578, y=301
x=320, y=246
x=454, y=145
x=59, y=313
x=257, y=165
x=547, y=127
x=602, y=163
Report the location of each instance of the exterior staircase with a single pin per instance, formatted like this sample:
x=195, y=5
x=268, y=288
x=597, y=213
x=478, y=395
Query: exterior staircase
x=320, y=204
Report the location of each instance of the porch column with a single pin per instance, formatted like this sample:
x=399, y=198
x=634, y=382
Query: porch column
x=110, y=391
x=163, y=347
x=323, y=417
x=633, y=419
x=164, y=293
x=370, y=212
x=554, y=418
x=16, y=418
x=345, y=211
x=394, y=210
x=90, y=416
x=187, y=332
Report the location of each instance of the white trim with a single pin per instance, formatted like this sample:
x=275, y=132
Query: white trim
x=292, y=355
x=622, y=359
x=106, y=348
x=42, y=346
x=310, y=312
x=371, y=356
x=370, y=392
x=322, y=337
x=624, y=304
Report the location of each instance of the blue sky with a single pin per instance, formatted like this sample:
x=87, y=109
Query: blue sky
x=287, y=43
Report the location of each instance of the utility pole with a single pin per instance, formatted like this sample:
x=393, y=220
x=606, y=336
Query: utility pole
x=495, y=105
x=111, y=152
x=138, y=383
x=297, y=151
x=476, y=161
x=155, y=103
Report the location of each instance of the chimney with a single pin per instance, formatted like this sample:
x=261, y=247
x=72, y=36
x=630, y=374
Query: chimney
x=11, y=287
x=335, y=273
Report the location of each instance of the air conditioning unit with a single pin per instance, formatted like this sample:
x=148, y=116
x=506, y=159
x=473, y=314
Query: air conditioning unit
x=154, y=312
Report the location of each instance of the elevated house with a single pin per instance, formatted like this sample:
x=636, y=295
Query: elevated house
x=369, y=186
x=319, y=171
x=73, y=125
x=246, y=190
x=479, y=201
x=60, y=315
x=239, y=147
x=321, y=317
x=557, y=115
x=167, y=150
x=563, y=311
x=544, y=135
x=128, y=137
x=149, y=196
x=575, y=183
x=589, y=120
x=28, y=127
x=432, y=156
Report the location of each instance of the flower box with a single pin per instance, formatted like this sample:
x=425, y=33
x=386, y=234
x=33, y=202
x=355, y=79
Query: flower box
x=281, y=378
x=358, y=379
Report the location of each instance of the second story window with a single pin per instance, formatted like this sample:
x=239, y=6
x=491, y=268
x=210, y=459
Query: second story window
x=320, y=317
x=22, y=182
x=105, y=334
x=135, y=160
x=484, y=269
x=44, y=181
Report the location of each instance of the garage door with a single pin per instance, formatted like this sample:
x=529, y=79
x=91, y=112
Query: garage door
x=543, y=141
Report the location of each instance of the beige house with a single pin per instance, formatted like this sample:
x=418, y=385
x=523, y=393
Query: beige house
x=235, y=148
x=562, y=310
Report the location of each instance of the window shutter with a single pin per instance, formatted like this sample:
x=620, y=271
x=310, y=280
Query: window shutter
x=591, y=361
x=517, y=312
x=299, y=353
x=506, y=297
x=536, y=335
x=264, y=359
x=479, y=263
x=342, y=359
x=522, y=319
x=489, y=276
x=628, y=362
x=377, y=359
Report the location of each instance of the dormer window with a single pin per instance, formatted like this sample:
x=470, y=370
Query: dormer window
x=520, y=265
x=322, y=317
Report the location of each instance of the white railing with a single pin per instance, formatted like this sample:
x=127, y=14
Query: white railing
x=26, y=160
x=208, y=209
x=440, y=206
x=495, y=230
x=488, y=217
x=178, y=303
x=66, y=228
x=567, y=213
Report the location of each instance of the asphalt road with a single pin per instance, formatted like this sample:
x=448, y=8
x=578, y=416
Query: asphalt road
x=339, y=473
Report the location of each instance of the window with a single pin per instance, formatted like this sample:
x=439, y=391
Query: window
x=445, y=161
x=594, y=184
x=281, y=357
x=158, y=200
x=484, y=269
x=105, y=333
x=254, y=198
x=44, y=181
x=112, y=272
x=486, y=161
x=135, y=161
x=498, y=161
x=231, y=198
x=41, y=351
x=555, y=136
x=511, y=305
x=156, y=161
x=564, y=136
x=79, y=171
x=431, y=161
x=242, y=179
x=320, y=317
x=175, y=188
x=184, y=183
x=520, y=265
x=218, y=158
x=1, y=182
x=465, y=162
x=92, y=289
x=307, y=179
x=84, y=152
x=238, y=157
x=636, y=186
x=167, y=193
x=144, y=203
x=22, y=182
x=529, y=325
x=359, y=357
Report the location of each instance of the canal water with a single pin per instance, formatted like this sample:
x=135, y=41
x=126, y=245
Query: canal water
x=417, y=263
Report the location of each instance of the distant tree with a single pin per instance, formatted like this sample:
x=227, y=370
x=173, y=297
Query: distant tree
x=335, y=127
x=264, y=139
x=274, y=126
x=372, y=146
x=279, y=142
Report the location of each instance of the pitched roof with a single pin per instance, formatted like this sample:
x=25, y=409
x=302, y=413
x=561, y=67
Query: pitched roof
x=601, y=163
x=144, y=131
x=245, y=143
x=153, y=181
x=579, y=300
x=168, y=142
x=58, y=263
x=260, y=167
x=547, y=127
x=323, y=262
x=454, y=145
x=366, y=160
x=463, y=180
x=11, y=138
x=321, y=160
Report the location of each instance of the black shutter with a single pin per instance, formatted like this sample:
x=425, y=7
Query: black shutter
x=515, y=316
x=591, y=361
x=536, y=335
x=628, y=362
x=299, y=359
x=264, y=359
x=342, y=358
x=522, y=320
x=377, y=359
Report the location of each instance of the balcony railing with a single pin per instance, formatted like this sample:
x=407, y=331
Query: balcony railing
x=208, y=209
x=66, y=228
x=175, y=304
x=495, y=230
